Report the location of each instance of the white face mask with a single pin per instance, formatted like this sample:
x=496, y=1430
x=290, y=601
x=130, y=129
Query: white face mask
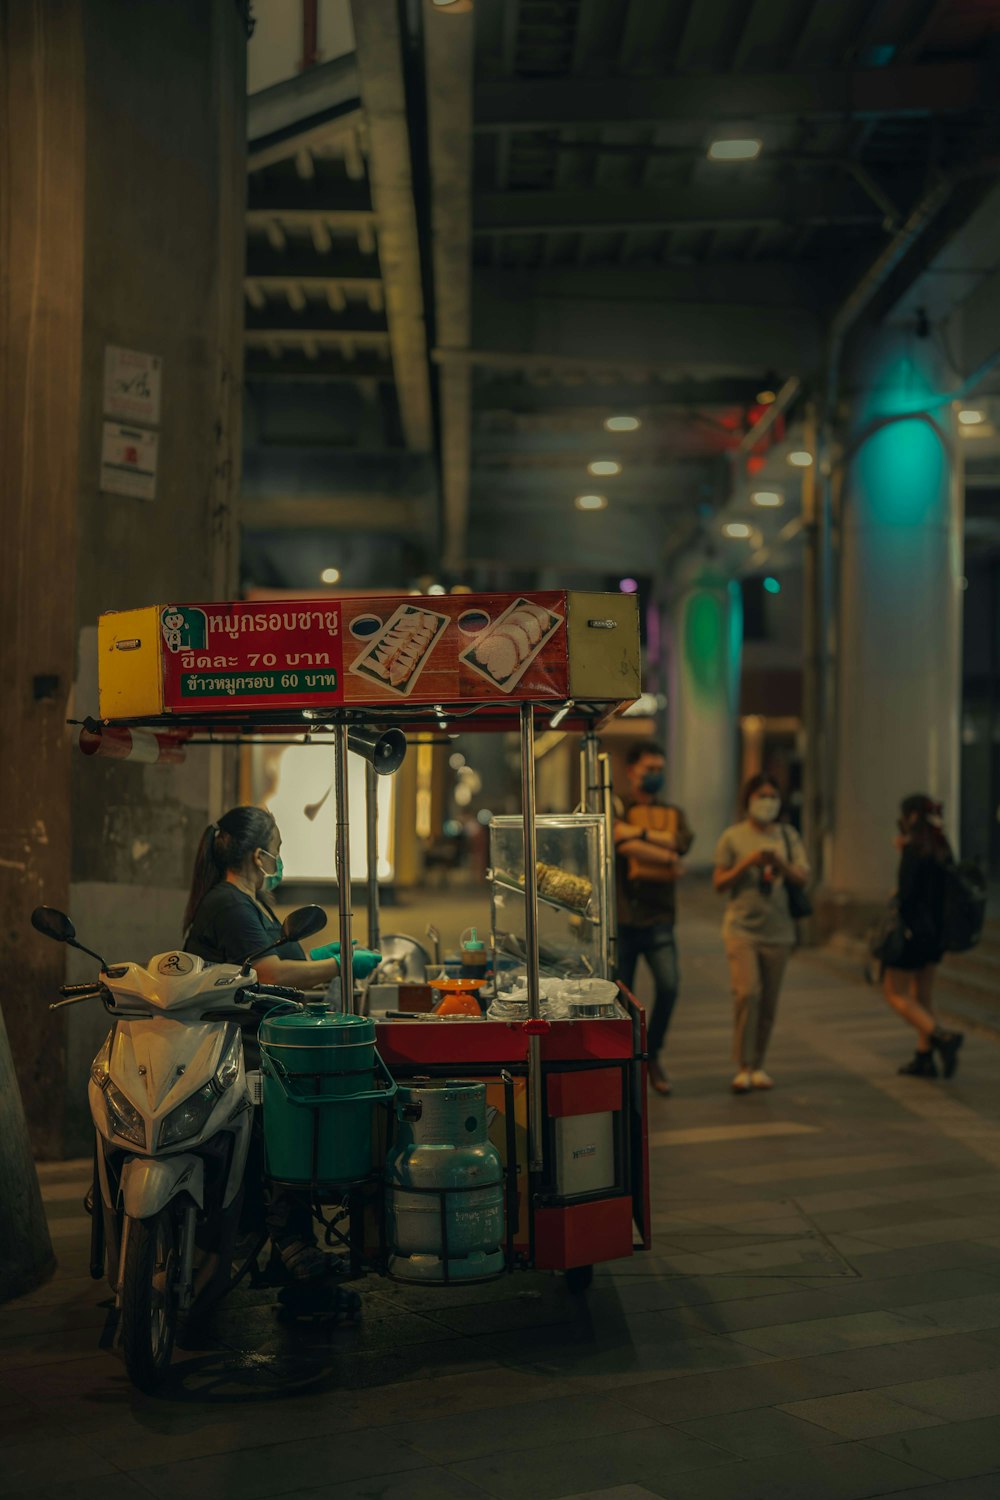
x=764, y=809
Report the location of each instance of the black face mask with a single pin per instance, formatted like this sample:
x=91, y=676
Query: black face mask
x=652, y=783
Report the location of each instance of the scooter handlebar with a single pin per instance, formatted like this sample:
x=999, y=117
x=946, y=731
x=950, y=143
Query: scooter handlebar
x=79, y=991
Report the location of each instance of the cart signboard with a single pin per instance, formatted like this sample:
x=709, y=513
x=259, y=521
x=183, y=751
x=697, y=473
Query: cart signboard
x=367, y=652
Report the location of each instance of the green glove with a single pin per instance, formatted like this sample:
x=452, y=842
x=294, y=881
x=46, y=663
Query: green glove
x=328, y=950
x=364, y=961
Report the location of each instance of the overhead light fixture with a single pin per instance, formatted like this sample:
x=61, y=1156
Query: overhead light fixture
x=628, y=586
x=590, y=502
x=330, y=575
x=601, y=468
x=437, y=588
x=739, y=530
x=767, y=499
x=800, y=458
x=735, y=148
x=622, y=424
x=970, y=416
x=766, y=398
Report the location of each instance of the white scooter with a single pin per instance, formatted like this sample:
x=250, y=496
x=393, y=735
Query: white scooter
x=173, y=1115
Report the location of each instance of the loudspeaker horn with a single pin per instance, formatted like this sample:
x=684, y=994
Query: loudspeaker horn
x=384, y=749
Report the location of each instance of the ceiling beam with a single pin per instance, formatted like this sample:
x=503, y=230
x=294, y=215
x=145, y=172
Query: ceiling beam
x=318, y=132
x=914, y=89
x=298, y=103
x=730, y=205
x=760, y=283
x=698, y=339
x=448, y=61
x=362, y=511
x=298, y=336
x=529, y=397
x=349, y=220
x=301, y=263
x=330, y=365
x=380, y=70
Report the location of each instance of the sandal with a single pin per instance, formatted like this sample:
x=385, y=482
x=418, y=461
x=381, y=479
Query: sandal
x=303, y=1260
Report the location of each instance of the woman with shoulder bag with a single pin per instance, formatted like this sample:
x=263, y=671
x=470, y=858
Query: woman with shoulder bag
x=760, y=864
x=913, y=949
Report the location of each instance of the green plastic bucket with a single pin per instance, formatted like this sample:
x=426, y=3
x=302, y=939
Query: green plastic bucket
x=319, y=1091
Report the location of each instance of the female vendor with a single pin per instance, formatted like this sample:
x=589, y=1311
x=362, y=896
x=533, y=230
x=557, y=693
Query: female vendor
x=226, y=920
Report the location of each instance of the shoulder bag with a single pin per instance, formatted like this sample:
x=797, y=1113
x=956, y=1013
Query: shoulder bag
x=799, y=904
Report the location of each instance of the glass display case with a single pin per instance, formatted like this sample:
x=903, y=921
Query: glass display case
x=572, y=874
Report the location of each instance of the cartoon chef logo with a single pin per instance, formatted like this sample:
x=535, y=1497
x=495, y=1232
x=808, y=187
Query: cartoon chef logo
x=184, y=628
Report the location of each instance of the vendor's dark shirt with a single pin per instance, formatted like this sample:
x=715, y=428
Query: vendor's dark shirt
x=646, y=903
x=229, y=925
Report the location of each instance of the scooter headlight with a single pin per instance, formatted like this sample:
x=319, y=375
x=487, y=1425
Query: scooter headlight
x=189, y=1118
x=123, y=1117
x=100, y=1068
x=228, y=1070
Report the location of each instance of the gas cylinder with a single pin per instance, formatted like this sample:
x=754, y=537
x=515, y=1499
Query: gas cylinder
x=319, y=1092
x=444, y=1187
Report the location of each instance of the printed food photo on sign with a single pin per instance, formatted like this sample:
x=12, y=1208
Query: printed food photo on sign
x=396, y=656
x=504, y=652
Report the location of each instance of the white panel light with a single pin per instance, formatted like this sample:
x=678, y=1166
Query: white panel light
x=590, y=502
x=330, y=575
x=735, y=148
x=767, y=499
x=800, y=459
x=623, y=424
x=969, y=416
x=736, y=529
x=601, y=467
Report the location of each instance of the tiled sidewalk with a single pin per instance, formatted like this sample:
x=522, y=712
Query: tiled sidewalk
x=820, y=1319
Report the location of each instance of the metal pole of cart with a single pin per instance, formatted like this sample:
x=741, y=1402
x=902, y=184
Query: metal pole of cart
x=607, y=807
x=371, y=840
x=343, y=868
x=536, y=1113
x=590, y=785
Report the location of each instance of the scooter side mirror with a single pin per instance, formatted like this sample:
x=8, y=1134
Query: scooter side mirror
x=303, y=922
x=57, y=926
x=53, y=924
x=299, y=924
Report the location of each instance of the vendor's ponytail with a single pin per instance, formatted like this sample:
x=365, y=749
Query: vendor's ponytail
x=223, y=846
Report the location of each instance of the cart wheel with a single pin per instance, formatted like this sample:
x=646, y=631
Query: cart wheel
x=578, y=1279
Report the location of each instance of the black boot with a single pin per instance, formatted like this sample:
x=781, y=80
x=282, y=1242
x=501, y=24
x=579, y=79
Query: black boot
x=922, y=1066
x=948, y=1044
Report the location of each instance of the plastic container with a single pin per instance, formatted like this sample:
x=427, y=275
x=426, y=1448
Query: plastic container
x=474, y=956
x=444, y=1187
x=319, y=1090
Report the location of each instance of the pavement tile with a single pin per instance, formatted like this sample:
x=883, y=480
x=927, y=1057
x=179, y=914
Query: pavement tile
x=54, y=1460
x=720, y=1391
x=757, y=1432
x=841, y=1471
x=823, y=1335
x=891, y=1364
x=983, y=1487
x=259, y=1472
x=953, y=1397
x=652, y=1456
x=529, y=1425
x=957, y=1315
x=861, y=1414
x=956, y=1450
x=415, y=1484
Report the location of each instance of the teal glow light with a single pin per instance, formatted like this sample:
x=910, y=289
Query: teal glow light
x=772, y=586
x=901, y=463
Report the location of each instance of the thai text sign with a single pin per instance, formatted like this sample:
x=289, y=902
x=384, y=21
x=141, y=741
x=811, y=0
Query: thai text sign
x=306, y=653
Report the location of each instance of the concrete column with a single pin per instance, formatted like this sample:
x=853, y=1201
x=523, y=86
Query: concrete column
x=42, y=126
x=704, y=641
x=121, y=222
x=899, y=637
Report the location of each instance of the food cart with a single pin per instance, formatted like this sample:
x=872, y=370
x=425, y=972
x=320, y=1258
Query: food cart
x=565, y=1082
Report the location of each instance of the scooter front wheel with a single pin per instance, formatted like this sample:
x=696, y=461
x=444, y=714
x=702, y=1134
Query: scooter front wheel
x=149, y=1299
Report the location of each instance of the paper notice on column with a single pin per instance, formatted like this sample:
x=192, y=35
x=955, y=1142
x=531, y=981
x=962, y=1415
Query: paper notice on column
x=132, y=385
x=128, y=461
